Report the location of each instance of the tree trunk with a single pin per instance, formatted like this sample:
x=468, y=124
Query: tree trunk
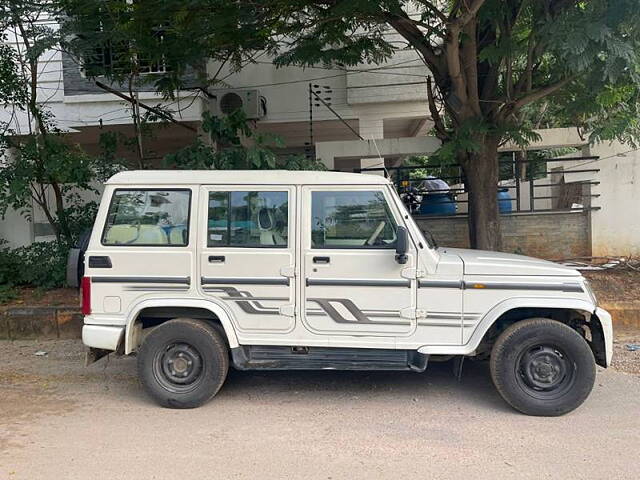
x=63, y=221
x=482, y=174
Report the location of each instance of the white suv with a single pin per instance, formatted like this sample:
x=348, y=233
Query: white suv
x=199, y=270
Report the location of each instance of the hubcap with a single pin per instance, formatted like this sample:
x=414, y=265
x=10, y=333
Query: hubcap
x=178, y=367
x=544, y=371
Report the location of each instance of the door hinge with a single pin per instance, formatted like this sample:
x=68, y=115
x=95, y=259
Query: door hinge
x=289, y=271
x=412, y=313
x=411, y=273
x=288, y=310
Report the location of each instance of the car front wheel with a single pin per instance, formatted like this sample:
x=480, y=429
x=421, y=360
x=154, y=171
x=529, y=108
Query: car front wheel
x=542, y=367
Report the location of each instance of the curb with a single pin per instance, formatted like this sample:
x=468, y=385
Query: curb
x=65, y=322
x=25, y=323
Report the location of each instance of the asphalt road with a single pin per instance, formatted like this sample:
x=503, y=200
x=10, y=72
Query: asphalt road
x=60, y=420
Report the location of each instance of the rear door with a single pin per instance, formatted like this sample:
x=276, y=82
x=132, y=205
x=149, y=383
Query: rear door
x=353, y=284
x=145, y=247
x=246, y=255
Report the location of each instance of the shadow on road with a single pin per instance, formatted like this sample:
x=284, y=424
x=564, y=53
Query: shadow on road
x=438, y=382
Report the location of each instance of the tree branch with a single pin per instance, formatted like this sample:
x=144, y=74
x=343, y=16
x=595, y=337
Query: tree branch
x=435, y=114
x=452, y=54
x=435, y=10
x=410, y=32
x=470, y=65
x=470, y=13
x=532, y=96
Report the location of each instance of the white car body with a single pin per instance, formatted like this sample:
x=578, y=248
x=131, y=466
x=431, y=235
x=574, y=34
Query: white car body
x=442, y=301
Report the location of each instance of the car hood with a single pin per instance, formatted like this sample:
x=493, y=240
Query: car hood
x=481, y=262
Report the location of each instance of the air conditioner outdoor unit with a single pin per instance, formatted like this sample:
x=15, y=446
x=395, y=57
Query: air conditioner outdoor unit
x=249, y=101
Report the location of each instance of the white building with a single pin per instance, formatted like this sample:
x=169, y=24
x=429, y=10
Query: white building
x=305, y=107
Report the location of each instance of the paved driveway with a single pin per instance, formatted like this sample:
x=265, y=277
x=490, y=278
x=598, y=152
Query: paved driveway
x=60, y=420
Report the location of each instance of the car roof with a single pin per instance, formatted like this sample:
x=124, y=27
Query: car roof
x=243, y=177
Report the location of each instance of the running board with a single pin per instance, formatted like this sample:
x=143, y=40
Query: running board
x=258, y=357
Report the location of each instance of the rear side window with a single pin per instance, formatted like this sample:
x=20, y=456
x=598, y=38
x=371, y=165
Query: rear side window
x=248, y=219
x=351, y=219
x=148, y=217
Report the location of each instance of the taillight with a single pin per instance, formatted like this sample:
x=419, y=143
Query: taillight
x=85, y=289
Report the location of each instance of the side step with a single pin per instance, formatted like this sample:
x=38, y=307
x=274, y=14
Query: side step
x=258, y=357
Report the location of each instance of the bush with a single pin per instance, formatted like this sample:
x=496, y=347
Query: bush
x=9, y=264
x=7, y=293
x=40, y=265
x=43, y=264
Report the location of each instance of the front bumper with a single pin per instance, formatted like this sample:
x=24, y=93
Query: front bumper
x=607, y=332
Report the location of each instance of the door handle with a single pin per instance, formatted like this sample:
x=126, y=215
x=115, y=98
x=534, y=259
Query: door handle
x=216, y=259
x=321, y=260
x=99, y=262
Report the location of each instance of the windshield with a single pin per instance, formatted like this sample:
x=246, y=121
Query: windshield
x=426, y=239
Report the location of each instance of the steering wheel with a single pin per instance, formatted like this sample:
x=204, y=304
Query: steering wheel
x=376, y=233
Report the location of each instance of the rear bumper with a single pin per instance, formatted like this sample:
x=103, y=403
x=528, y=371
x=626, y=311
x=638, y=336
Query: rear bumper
x=607, y=332
x=103, y=337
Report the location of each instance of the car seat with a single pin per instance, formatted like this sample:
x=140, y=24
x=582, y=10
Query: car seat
x=267, y=226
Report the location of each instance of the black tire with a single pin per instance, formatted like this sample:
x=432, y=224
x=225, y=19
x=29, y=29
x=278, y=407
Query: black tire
x=542, y=367
x=183, y=363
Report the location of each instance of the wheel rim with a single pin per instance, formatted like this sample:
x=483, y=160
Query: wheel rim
x=545, y=371
x=178, y=367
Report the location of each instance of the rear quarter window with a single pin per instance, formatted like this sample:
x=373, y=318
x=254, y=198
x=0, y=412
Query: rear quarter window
x=148, y=217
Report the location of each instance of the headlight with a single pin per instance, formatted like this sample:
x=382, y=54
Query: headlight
x=592, y=295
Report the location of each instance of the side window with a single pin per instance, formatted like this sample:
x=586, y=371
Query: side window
x=351, y=219
x=148, y=217
x=248, y=219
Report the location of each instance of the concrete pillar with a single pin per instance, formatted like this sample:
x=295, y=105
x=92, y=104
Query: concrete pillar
x=326, y=154
x=372, y=128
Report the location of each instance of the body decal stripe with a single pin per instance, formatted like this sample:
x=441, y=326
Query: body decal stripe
x=440, y=284
x=164, y=288
x=466, y=285
x=339, y=282
x=177, y=280
x=560, y=287
x=245, y=281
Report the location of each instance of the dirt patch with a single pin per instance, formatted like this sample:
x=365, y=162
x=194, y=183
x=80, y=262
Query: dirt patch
x=36, y=297
x=624, y=359
x=616, y=285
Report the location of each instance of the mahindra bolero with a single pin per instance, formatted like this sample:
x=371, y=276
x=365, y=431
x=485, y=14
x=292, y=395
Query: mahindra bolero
x=197, y=271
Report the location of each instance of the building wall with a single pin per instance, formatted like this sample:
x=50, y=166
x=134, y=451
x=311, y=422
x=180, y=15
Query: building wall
x=16, y=229
x=615, y=226
x=553, y=235
x=376, y=101
x=77, y=103
x=75, y=83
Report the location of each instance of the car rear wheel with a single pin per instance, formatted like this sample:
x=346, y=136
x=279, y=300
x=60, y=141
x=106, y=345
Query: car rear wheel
x=183, y=363
x=542, y=367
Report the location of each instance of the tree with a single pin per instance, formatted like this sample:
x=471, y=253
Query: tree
x=39, y=167
x=227, y=134
x=492, y=62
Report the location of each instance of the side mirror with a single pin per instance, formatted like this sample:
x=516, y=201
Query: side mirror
x=402, y=245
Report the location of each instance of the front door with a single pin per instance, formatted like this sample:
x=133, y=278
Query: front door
x=353, y=284
x=246, y=255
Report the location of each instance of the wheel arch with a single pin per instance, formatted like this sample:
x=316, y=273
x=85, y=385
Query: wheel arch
x=167, y=308
x=490, y=323
x=576, y=313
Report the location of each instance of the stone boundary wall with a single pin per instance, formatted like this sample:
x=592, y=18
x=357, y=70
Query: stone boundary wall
x=21, y=323
x=550, y=235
